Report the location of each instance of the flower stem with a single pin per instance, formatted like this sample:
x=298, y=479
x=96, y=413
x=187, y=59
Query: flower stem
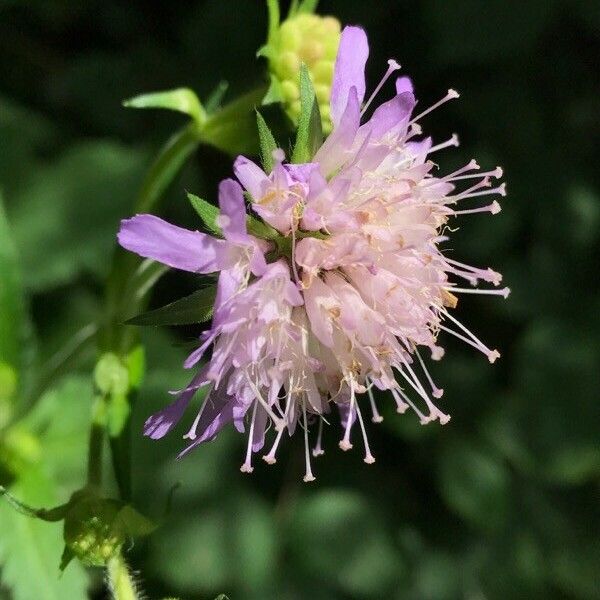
x=122, y=585
x=96, y=443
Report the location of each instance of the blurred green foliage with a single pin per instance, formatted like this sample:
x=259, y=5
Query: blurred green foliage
x=503, y=502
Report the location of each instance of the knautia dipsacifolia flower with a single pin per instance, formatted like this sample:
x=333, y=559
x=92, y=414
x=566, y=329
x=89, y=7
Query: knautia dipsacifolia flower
x=350, y=290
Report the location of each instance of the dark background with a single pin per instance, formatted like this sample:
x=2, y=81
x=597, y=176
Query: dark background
x=503, y=502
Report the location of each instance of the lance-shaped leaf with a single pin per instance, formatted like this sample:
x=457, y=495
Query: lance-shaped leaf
x=207, y=212
x=181, y=100
x=195, y=308
x=310, y=133
x=267, y=143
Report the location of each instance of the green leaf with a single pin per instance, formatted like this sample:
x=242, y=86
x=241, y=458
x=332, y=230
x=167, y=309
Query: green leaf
x=30, y=549
x=13, y=320
x=195, y=308
x=64, y=221
x=207, y=212
x=310, y=133
x=267, y=143
x=182, y=100
x=475, y=484
x=232, y=129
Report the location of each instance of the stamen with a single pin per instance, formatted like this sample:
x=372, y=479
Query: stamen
x=434, y=411
x=392, y=66
x=400, y=396
x=376, y=418
x=279, y=423
x=308, y=476
x=503, y=292
x=369, y=458
x=436, y=392
x=270, y=457
x=247, y=466
x=501, y=190
x=492, y=355
x=191, y=434
x=493, y=208
x=318, y=449
x=496, y=173
x=449, y=96
x=401, y=405
x=453, y=141
x=345, y=442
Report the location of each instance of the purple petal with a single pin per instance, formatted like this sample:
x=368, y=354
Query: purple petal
x=301, y=173
x=174, y=246
x=260, y=423
x=233, y=210
x=349, y=70
x=390, y=114
x=334, y=151
x=251, y=176
x=404, y=84
x=160, y=423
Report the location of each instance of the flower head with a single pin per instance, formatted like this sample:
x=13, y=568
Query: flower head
x=302, y=38
x=349, y=287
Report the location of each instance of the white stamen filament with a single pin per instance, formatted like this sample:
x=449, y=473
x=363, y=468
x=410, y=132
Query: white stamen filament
x=392, y=66
x=436, y=392
x=318, y=449
x=369, y=458
x=503, y=292
x=449, y=96
x=309, y=475
x=247, y=466
x=376, y=417
x=279, y=423
x=345, y=442
x=453, y=141
x=493, y=208
x=496, y=173
x=492, y=355
x=501, y=190
x=270, y=457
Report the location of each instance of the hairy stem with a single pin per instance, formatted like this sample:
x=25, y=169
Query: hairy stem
x=121, y=583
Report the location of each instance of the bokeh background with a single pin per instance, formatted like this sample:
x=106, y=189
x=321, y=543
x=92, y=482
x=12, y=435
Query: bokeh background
x=503, y=502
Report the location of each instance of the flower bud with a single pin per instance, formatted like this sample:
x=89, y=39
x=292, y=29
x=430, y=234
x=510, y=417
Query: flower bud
x=312, y=40
x=93, y=530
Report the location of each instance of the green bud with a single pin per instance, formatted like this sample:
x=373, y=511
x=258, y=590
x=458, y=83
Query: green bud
x=111, y=375
x=93, y=530
x=312, y=40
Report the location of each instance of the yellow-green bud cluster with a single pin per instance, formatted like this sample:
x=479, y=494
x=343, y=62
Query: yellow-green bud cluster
x=93, y=531
x=312, y=40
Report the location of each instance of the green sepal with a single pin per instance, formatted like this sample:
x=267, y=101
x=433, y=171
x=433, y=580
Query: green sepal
x=182, y=100
x=195, y=308
x=260, y=229
x=51, y=515
x=307, y=6
x=274, y=93
x=207, y=212
x=213, y=102
x=309, y=137
x=267, y=143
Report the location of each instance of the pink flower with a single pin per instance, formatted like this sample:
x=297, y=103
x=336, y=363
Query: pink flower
x=362, y=285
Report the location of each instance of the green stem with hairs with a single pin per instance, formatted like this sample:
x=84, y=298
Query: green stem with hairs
x=120, y=581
